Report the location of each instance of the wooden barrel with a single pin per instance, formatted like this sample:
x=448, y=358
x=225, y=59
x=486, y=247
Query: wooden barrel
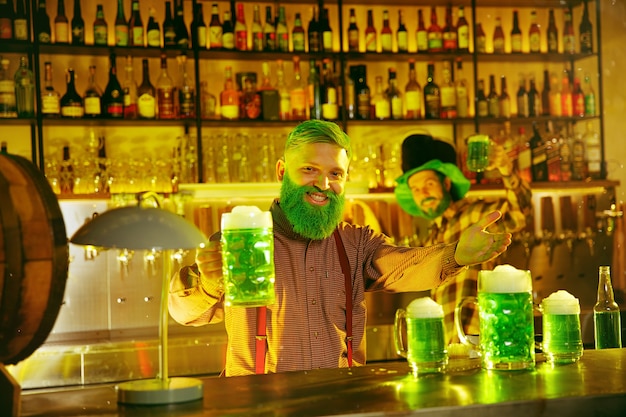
x=34, y=257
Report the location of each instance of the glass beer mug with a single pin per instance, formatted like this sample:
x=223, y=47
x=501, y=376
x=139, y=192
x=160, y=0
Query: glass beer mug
x=562, y=340
x=506, y=324
x=248, y=257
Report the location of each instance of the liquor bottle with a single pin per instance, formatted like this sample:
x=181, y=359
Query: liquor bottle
x=6, y=19
x=129, y=90
x=556, y=104
x=330, y=106
x=298, y=93
x=78, y=25
x=498, y=37
x=462, y=96
x=539, y=160
x=421, y=34
x=180, y=27
x=298, y=34
x=524, y=157
x=534, y=33
x=553, y=33
x=395, y=96
x=578, y=99
x=380, y=102
x=165, y=93
x=215, y=28
x=402, y=36
x=121, y=26
x=493, y=98
x=432, y=97
x=447, y=94
x=481, y=39
x=20, y=22
x=353, y=32
x=282, y=33
x=208, y=102
x=241, y=30
x=362, y=96
x=522, y=98
x=269, y=31
x=50, y=98
x=256, y=29
x=326, y=32
x=585, y=31
x=569, y=39
x=186, y=91
x=349, y=98
x=590, y=97
x=462, y=32
x=67, y=173
x=169, y=29
x=579, y=164
x=504, y=101
x=313, y=32
x=449, y=33
x=135, y=26
x=314, y=91
x=229, y=97
x=413, y=94
x=545, y=95
x=567, y=107
x=284, y=106
x=516, y=34
x=153, y=30
x=482, y=105
x=113, y=96
x=100, y=28
x=228, y=32
x=606, y=314
x=71, y=102
x=24, y=90
x=534, y=100
x=61, y=24
x=7, y=91
x=593, y=148
x=386, y=34
x=198, y=28
x=553, y=159
x=146, y=94
x=250, y=100
x=43, y=30
x=370, y=33
x=93, y=96
x=565, y=156
x=435, y=38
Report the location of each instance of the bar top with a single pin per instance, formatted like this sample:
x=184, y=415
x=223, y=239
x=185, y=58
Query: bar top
x=596, y=384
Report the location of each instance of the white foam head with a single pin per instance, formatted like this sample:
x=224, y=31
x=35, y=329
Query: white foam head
x=424, y=307
x=504, y=279
x=246, y=217
x=560, y=302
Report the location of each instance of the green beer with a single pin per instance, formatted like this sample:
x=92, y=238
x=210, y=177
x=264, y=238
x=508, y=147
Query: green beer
x=562, y=342
x=478, y=153
x=607, y=329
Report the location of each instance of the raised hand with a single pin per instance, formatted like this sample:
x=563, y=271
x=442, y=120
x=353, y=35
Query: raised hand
x=476, y=245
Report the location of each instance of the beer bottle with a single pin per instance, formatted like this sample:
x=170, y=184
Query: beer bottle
x=606, y=314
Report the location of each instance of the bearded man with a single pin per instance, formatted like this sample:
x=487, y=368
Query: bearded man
x=323, y=267
x=434, y=188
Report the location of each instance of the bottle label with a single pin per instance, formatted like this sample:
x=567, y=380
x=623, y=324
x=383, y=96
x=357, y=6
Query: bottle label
x=115, y=109
x=382, y=109
x=20, y=28
x=585, y=42
x=421, y=37
x=397, y=112
x=100, y=36
x=385, y=42
x=450, y=42
x=298, y=41
x=353, y=40
x=463, y=37
x=201, y=32
x=330, y=111
x=44, y=37
x=569, y=44
x=363, y=106
x=298, y=100
x=435, y=41
x=154, y=38
x=74, y=111
x=137, y=36
x=370, y=42
x=590, y=105
x=461, y=102
x=413, y=103
x=62, y=33
x=553, y=42
x=215, y=37
x=481, y=44
x=146, y=105
x=433, y=106
x=283, y=42
x=50, y=105
x=403, y=41
x=230, y=111
x=257, y=41
x=516, y=43
x=121, y=35
x=534, y=41
x=228, y=40
x=92, y=106
x=241, y=40
x=483, y=108
x=327, y=40
x=498, y=45
x=6, y=27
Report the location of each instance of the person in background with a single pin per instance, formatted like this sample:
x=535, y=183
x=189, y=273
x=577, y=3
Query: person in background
x=306, y=327
x=434, y=188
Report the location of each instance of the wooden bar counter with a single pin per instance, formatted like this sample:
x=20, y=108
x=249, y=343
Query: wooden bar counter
x=596, y=386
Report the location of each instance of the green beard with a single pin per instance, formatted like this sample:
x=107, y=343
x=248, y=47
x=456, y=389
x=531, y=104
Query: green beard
x=312, y=222
x=432, y=214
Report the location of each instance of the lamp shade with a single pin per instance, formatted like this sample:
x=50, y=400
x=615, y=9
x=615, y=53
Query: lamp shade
x=139, y=228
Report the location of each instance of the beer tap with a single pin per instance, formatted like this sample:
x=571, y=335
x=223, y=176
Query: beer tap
x=589, y=222
x=549, y=237
x=568, y=223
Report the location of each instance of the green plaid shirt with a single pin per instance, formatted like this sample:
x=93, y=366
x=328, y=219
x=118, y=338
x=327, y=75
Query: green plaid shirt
x=516, y=208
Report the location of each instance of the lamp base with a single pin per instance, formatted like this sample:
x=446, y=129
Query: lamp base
x=157, y=391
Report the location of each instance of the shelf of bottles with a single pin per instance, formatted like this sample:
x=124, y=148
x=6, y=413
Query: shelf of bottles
x=254, y=64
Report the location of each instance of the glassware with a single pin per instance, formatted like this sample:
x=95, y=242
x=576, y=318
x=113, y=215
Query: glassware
x=100, y=29
x=562, y=340
x=606, y=314
x=50, y=98
x=24, y=90
x=78, y=25
x=135, y=26
x=93, y=95
x=61, y=24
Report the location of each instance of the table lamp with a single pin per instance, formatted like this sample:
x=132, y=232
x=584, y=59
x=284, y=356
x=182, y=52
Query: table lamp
x=148, y=228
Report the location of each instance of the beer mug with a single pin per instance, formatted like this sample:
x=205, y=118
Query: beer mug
x=248, y=257
x=478, y=152
x=562, y=341
x=506, y=326
x=425, y=348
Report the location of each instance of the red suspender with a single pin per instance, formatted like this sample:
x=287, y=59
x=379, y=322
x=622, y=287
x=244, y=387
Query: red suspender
x=261, y=313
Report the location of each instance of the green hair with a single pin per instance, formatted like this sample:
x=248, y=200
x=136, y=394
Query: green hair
x=318, y=131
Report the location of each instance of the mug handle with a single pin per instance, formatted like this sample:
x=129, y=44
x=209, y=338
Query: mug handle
x=397, y=332
x=457, y=321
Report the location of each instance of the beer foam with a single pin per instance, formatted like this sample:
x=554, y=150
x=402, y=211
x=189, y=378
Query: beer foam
x=424, y=307
x=246, y=217
x=505, y=279
x=560, y=302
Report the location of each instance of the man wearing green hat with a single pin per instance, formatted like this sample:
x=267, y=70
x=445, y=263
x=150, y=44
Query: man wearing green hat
x=433, y=187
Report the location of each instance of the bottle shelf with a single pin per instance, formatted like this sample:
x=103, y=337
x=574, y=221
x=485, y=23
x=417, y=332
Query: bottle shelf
x=538, y=57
